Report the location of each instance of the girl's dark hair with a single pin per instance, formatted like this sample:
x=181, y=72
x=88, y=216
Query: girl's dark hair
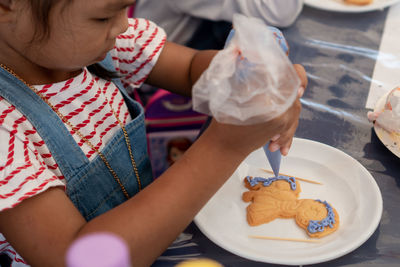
x=40, y=12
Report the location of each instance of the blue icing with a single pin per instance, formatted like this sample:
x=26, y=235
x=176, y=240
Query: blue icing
x=319, y=226
x=268, y=181
x=244, y=68
x=244, y=65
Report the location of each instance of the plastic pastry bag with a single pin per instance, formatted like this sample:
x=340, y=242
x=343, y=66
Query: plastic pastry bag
x=250, y=81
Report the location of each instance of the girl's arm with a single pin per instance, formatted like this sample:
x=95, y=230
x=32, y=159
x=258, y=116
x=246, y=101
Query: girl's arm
x=42, y=228
x=179, y=67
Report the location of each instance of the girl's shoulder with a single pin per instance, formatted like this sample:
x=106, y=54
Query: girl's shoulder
x=136, y=51
x=142, y=26
x=26, y=165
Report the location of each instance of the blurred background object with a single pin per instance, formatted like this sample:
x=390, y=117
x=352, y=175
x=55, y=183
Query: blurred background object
x=100, y=250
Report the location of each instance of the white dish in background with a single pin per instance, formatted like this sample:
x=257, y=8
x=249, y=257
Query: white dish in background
x=347, y=186
x=341, y=6
x=391, y=141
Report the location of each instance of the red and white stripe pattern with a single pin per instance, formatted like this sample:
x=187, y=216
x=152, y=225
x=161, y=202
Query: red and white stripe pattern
x=27, y=167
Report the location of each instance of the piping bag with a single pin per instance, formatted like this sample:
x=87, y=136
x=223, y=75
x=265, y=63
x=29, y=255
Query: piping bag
x=274, y=159
x=250, y=81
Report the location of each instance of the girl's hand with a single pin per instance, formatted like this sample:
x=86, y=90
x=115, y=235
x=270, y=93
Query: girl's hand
x=283, y=142
x=245, y=139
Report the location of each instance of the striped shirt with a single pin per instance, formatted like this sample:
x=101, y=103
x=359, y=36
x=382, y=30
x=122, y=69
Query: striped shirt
x=27, y=167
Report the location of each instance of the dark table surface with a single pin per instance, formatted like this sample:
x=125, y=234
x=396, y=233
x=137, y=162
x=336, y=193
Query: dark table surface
x=339, y=52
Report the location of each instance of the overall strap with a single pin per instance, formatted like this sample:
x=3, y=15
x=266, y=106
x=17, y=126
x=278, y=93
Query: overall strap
x=49, y=126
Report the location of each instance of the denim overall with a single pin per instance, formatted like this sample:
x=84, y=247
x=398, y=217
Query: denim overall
x=90, y=185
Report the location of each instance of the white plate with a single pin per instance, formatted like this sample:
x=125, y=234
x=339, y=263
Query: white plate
x=391, y=141
x=340, y=6
x=347, y=186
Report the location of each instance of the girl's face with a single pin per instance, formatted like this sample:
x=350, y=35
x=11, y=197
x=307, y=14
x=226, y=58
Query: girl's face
x=81, y=33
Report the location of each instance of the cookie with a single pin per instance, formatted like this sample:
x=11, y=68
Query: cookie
x=358, y=2
x=277, y=197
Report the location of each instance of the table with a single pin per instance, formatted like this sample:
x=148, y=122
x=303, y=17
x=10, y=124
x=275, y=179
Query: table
x=339, y=52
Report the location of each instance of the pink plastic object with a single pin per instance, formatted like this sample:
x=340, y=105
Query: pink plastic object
x=100, y=250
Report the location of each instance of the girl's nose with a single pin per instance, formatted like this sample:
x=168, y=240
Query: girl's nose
x=120, y=24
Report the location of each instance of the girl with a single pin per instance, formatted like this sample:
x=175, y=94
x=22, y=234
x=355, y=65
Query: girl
x=73, y=150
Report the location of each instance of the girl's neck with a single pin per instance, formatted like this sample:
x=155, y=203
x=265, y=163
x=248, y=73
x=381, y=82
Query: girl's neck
x=35, y=74
x=46, y=76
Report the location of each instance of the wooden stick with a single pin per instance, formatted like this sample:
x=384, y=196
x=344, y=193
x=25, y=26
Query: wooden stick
x=284, y=239
x=297, y=178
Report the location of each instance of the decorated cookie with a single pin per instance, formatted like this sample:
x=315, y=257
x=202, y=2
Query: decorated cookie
x=277, y=197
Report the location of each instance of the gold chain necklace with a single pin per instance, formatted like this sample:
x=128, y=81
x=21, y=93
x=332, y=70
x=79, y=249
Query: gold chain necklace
x=66, y=121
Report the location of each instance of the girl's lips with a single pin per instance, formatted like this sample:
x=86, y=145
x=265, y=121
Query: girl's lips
x=102, y=57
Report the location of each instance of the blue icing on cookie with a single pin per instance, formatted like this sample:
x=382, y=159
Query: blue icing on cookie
x=268, y=181
x=319, y=226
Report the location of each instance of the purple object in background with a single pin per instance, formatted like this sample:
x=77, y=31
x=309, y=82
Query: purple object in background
x=100, y=250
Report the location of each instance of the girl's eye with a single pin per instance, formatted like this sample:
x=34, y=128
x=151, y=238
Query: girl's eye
x=103, y=19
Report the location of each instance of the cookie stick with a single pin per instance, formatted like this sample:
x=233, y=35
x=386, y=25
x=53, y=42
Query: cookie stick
x=298, y=178
x=284, y=239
